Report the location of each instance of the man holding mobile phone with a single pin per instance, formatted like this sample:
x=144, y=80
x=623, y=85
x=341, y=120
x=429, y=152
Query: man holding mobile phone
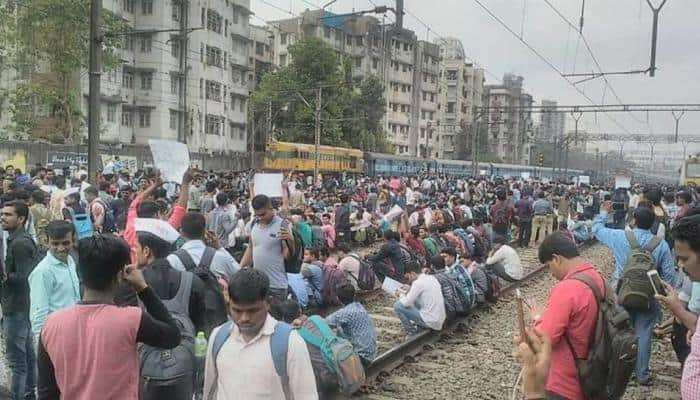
x=570, y=315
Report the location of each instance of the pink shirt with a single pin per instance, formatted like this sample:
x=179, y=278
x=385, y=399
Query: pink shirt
x=329, y=234
x=690, y=382
x=572, y=311
x=99, y=342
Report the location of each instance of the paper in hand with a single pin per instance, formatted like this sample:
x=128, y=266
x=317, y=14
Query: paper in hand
x=391, y=286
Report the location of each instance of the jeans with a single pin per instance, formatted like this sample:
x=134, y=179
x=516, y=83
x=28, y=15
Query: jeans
x=525, y=233
x=410, y=318
x=19, y=349
x=644, y=328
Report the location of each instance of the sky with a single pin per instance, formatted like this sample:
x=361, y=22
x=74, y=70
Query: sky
x=618, y=32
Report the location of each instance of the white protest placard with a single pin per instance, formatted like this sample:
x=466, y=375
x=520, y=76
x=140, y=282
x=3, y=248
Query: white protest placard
x=393, y=213
x=623, y=181
x=545, y=181
x=171, y=158
x=525, y=175
x=268, y=184
x=483, y=172
x=584, y=179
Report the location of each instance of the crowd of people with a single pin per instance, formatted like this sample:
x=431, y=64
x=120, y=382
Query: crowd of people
x=148, y=269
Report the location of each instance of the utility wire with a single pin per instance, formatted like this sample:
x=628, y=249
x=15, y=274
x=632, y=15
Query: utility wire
x=546, y=61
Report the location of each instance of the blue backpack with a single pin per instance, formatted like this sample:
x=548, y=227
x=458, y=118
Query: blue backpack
x=279, y=344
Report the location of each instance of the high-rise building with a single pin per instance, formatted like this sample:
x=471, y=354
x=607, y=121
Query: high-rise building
x=407, y=67
x=461, y=92
x=174, y=81
x=551, y=122
x=510, y=130
x=260, y=54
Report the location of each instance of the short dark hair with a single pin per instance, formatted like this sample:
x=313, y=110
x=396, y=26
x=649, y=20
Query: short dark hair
x=688, y=230
x=248, y=286
x=644, y=217
x=193, y=225
x=148, y=209
x=100, y=259
x=91, y=190
x=261, y=201
x=685, y=196
x=315, y=252
x=58, y=229
x=344, y=247
x=414, y=266
x=20, y=208
x=221, y=199
x=158, y=246
x=345, y=292
x=557, y=244
x=38, y=196
x=210, y=186
x=450, y=251
x=437, y=262
x=287, y=310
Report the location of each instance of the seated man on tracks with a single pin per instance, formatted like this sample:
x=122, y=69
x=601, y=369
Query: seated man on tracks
x=421, y=305
x=504, y=261
x=353, y=323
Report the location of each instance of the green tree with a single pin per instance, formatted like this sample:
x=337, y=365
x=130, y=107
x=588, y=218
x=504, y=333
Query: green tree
x=46, y=42
x=351, y=111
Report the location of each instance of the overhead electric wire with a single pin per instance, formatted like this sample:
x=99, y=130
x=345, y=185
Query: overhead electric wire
x=593, y=57
x=545, y=60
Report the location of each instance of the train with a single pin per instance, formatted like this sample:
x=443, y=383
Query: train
x=690, y=171
x=284, y=156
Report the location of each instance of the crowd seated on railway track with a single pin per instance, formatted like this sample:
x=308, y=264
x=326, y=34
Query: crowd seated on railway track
x=450, y=242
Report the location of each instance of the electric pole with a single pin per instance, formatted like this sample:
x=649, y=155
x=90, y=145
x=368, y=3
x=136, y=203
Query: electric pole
x=317, y=139
x=94, y=89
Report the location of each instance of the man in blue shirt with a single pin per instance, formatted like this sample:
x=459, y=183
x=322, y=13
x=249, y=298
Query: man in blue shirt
x=54, y=284
x=354, y=324
x=616, y=240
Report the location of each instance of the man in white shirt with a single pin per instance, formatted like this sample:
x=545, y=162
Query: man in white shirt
x=421, y=306
x=245, y=365
x=504, y=261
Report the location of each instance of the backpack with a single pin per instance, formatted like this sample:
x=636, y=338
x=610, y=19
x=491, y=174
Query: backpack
x=366, y=278
x=456, y=301
x=214, y=303
x=292, y=265
x=318, y=238
x=493, y=289
x=432, y=246
x=279, y=344
x=409, y=255
x=109, y=224
x=635, y=290
x=332, y=277
x=466, y=239
x=339, y=355
x=41, y=218
x=82, y=223
x=342, y=218
x=326, y=380
x=500, y=218
x=170, y=367
x=613, y=350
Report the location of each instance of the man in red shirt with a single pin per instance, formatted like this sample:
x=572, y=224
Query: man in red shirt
x=570, y=316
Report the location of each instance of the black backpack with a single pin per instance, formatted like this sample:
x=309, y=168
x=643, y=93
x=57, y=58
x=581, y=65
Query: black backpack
x=214, y=303
x=612, y=354
x=109, y=224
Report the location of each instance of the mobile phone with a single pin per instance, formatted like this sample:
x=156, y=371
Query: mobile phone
x=521, y=318
x=655, y=280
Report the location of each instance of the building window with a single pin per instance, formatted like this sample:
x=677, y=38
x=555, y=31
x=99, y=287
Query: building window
x=327, y=32
x=173, y=84
x=422, y=133
x=144, y=118
x=126, y=118
x=213, y=125
x=358, y=41
x=128, y=43
x=241, y=105
x=235, y=16
x=146, y=80
x=348, y=40
x=145, y=44
x=358, y=62
x=375, y=63
x=226, y=27
x=214, y=56
x=173, y=119
x=214, y=21
x=176, y=12
x=283, y=39
x=127, y=80
x=451, y=75
x=147, y=7
x=259, y=48
x=111, y=112
x=213, y=91
x=175, y=48
x=129, y=5
x=404, y=67
x=283, y=60
x=241, y=134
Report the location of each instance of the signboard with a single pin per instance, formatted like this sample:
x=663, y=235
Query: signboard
x=623, y=181
x=483, y=172
x=129, y=163
x=584, y=179
x=268, y=184
x=171, y=158
x=525, y=175
x=65, y=159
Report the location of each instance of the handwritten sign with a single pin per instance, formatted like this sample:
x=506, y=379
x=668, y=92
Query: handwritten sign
x=268, y=184
x=171, y=158
x=63, y=159
x=129, y=163
x=622, y=181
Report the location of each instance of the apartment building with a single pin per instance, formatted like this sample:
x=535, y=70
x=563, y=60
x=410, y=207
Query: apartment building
x=165, y=90
x=510, y=130
x=260, y=54
x=551, y=122
x=408, y=67
x=461, y=93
